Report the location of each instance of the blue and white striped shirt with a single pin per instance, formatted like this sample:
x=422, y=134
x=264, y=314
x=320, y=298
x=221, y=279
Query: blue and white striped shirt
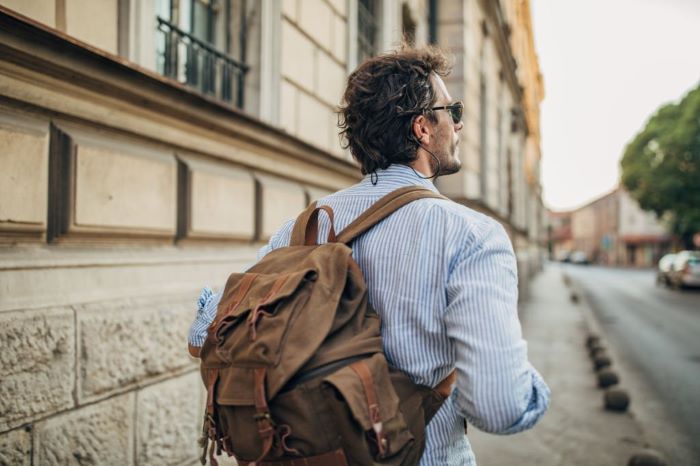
x=443, y=279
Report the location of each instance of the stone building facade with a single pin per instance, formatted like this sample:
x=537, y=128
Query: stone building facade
x=614, y=230
x=150, y=147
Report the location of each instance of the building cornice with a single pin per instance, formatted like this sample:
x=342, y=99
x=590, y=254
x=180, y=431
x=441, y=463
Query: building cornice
x=35, y=48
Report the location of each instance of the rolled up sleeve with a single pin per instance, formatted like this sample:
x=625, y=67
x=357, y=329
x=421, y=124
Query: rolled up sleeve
x=497, y=389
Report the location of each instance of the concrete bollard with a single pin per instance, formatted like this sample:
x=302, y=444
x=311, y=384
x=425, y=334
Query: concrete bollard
x=594, y=349
x=607, y=378
x=616, y=399
x=598, y=351
x=601, y=361
x=592, y=340
x=647, y=457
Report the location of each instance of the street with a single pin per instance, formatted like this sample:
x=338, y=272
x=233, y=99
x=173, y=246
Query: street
x=653, y=334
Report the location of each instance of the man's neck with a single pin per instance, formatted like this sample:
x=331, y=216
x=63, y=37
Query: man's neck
x=422, y=164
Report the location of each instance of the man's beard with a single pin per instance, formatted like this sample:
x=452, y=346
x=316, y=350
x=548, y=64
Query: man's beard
x=449, y=163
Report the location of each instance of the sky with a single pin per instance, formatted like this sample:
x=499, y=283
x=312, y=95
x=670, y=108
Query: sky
x=607, y=66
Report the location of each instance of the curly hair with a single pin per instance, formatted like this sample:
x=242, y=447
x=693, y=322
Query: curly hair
x=383, y=96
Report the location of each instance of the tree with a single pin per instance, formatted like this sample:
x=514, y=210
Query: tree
x=661, y=166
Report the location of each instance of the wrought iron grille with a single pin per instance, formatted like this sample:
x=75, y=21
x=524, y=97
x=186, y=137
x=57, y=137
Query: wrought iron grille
x=366, y=29
x=198, y=64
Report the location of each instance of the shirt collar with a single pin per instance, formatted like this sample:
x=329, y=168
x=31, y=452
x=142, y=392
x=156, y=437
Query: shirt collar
x=397, y=176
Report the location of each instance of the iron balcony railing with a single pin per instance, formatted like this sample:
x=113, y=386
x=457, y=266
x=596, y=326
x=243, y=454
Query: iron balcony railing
x=198, y=64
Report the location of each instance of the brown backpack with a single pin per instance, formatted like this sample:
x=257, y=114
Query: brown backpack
x=293, y=361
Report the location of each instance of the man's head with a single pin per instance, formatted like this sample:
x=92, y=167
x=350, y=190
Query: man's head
x=388, y=115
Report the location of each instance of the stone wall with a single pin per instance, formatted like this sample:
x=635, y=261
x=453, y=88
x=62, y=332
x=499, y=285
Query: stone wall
x=121, y=194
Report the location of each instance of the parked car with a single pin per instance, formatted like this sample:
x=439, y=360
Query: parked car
x=664, y=270
x=686, y=269
x=579, y=257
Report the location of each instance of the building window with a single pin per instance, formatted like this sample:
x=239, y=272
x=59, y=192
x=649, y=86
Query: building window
x=202, y=43
x=367, y=29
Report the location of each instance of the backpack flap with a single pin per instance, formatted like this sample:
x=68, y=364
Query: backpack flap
x=251, y=333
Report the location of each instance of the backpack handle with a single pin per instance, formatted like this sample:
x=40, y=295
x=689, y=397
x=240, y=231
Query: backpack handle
x=306, y=226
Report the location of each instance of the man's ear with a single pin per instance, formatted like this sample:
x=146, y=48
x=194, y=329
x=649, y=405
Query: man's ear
x=420, y=129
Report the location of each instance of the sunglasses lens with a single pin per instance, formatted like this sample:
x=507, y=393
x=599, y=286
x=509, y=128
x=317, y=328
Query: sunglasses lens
x=456, y=113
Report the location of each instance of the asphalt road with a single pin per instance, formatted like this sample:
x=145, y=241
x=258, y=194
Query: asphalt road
x=654, y=336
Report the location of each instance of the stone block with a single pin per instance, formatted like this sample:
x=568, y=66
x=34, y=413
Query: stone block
x=16, y=448
x=43, y=11
x=169, y=421
x=120, y=189
x=97, y=434
x=94, y=22
x=314, y=121
x=340, y=39
x=289, y=105
x=316, y=19
x=280, y=200
x=331, y=79
x=222, y=201
x=340, y=6
x=450, y=11
x=37, y=364
x=298, y=55
x=290, y=9
x=125, y=342
x=23, y=174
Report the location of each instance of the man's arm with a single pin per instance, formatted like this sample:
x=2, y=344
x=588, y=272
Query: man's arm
x=206, y=311
x=497, y=389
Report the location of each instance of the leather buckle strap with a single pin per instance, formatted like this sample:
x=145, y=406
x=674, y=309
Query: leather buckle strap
x=333, y=458
x=365, y=376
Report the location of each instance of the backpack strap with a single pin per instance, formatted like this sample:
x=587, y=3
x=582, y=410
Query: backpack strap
x=384, y=207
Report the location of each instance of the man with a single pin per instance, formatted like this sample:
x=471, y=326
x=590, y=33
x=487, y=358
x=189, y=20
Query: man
x=441, y=276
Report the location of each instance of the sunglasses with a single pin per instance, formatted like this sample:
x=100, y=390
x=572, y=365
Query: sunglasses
x=456, y=109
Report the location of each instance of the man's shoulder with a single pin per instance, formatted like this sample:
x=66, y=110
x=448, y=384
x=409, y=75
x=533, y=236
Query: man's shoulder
x=455, y=218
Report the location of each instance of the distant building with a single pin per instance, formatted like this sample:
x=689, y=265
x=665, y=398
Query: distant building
x=560, y=237
x=611, y=230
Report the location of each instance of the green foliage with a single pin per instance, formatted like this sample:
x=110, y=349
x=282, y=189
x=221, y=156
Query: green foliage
x=661, y=165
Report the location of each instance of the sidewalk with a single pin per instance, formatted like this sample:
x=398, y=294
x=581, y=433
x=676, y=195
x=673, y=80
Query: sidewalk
x=576, y=430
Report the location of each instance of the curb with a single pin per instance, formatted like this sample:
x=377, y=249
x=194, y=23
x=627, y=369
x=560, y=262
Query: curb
x=615, y=397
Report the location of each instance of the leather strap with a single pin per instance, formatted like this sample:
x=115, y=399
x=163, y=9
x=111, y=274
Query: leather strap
x=305, y=230
x=311, y=231
x=444, y=388
x=384, y=207
x=241, y=292
x=266, y=428
x=258, y=311
x=365, y=376
x=334, y=458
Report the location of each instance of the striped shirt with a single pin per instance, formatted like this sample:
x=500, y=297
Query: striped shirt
x=443, y=279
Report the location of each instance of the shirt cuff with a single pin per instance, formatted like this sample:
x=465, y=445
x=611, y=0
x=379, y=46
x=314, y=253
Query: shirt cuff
x=538, y=404
x=207, y=303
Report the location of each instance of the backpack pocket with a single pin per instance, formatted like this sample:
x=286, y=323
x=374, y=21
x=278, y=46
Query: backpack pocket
x=377, y=426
